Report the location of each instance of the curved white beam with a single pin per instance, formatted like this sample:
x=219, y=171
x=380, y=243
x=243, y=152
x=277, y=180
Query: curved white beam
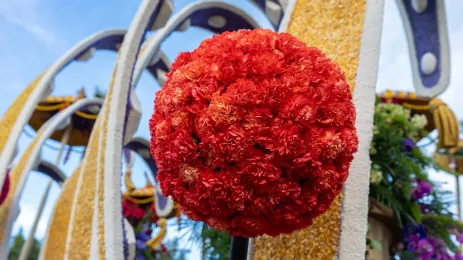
x=354, y=211
x=104, y=40
x=131, y=240
x=44, y=133
x=198, y=14
x=111, y=131
x=163, y=205
x=118, y=105
x=426, y=30
x=275, y=10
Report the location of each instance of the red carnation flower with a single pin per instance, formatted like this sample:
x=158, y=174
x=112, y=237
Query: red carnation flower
x=131, y=210
x=253, y=133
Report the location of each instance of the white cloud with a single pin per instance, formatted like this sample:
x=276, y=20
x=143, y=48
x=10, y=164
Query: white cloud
x=24, y=13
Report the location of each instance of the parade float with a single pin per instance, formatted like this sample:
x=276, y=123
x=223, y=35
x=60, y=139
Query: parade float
x=410, y=215
x=255, y=133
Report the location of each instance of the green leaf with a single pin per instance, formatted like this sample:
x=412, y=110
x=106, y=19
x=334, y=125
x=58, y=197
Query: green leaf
x=407, y=255
x=377, y=245
x=416, y=212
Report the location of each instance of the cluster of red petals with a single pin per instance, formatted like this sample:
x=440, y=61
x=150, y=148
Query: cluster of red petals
x=132, y=211
x=253, y=133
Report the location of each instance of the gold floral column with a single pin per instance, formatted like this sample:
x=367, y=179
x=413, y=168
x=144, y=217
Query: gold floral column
x=55, y=242
x=336, y=28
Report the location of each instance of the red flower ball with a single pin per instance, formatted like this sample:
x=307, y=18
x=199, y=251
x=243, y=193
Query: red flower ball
x=253, y=133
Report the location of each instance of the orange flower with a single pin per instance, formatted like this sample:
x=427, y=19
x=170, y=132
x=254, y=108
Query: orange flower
x=253, y=133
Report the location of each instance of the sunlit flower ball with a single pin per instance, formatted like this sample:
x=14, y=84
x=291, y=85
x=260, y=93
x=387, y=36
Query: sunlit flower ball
x=253, y=133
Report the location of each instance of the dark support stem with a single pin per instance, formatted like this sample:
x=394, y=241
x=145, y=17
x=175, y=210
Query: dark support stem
x=239, y=248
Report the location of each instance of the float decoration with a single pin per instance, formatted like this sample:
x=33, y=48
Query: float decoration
x=253, y=133
x=82, y=121
x=437, y=113
x=426, y=30
x=138, y=207
x=421, y=225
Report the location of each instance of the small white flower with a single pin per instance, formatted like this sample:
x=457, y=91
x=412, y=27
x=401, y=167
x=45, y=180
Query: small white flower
x=376, y=176
x=419, y=121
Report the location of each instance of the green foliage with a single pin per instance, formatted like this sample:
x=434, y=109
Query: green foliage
x=397, y=164
x=216, y=245
x=18, y=243
x=175, y=251
x=99, y=93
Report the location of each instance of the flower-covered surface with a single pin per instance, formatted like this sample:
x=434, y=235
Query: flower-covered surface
x=399, y=180
x=253, y=133
x=143, y=219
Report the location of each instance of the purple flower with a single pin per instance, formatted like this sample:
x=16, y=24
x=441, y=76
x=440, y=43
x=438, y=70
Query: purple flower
x=140, y=244
x=424, y=208
x=458, y=256
x=408, y=145
x=422, y=188
x=140, y=256
x=425, y=247
x=141, y=238
x=460, y=239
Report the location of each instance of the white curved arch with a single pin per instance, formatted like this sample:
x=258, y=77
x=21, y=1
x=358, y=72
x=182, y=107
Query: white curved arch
x=107, y=39
x=131, y=240
x=122, y=94
x=153, y=44
x=110, y=145
x=141, y=146
x=274, y=10
x=435, y=61
x=156, y=62
x=45, y=132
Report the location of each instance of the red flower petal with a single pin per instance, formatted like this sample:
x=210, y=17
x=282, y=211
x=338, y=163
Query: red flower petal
x=253, y=133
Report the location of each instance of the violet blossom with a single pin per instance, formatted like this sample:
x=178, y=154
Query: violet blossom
x=408, y=145
x=140, y=243
x=422, y=188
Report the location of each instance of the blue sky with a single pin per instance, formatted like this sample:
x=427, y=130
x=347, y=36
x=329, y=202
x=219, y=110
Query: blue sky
x=34, y=33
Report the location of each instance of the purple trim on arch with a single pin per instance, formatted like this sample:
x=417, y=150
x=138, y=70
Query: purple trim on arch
x=425, y=34
x=199, y=18
x=233, y=20
x=107, y=43
x=129, y=105
x=138, y=144
x=51, y=171
x=125, y=243
x=158, y=65
x=261, y=5
x=126, y=153
x=161, y=200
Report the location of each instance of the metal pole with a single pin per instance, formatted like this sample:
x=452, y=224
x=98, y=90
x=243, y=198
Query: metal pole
x=239, y=248
x=28, y=245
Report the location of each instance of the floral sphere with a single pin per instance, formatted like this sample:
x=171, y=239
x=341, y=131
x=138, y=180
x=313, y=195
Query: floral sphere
x=253, y=133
